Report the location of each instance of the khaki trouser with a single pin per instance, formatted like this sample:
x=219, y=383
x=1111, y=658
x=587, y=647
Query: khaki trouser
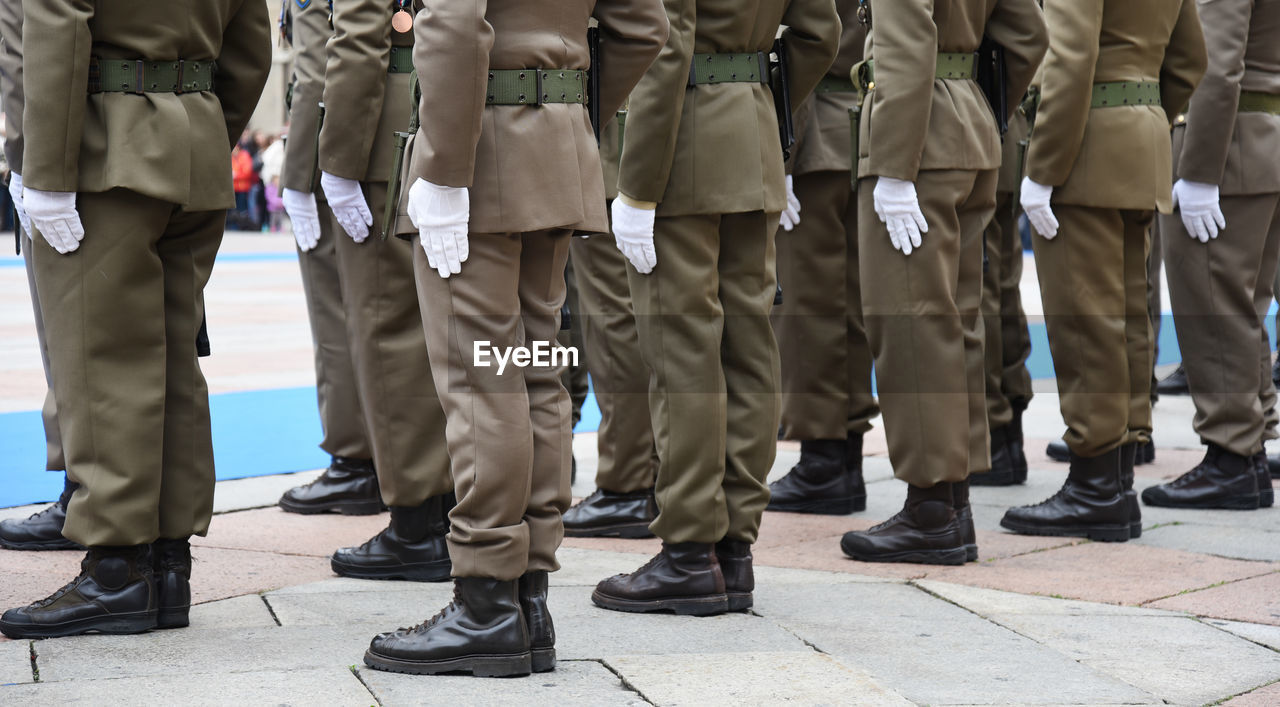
x=924, y=326
x=826, y=362
x=121, y=314
x=509, y=435
x=341, y=417
x=1093, y=281
x=573, y=377
x=1221, y=291
x=49, y=411
x=1155, y=309
x=628, y=459
x=703, y=318
x=404, y=420
x=1006, y=339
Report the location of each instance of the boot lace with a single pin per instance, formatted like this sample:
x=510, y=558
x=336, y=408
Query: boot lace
x=66, y=588
x=457, y=600
x=41, y=514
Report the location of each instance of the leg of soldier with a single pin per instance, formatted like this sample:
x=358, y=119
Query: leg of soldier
x=1015, y=336
x=751, y=367
x=573, y=377
x=1262, y=297
x=1154, y=301
x=49, y=410
x=1140, y=330
x=999, y=409
x=862, y=401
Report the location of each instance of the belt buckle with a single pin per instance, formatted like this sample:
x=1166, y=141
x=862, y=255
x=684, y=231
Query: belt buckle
x=537, y=79
x=139, y=75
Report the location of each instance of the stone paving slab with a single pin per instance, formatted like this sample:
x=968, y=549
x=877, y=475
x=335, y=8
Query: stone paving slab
x=337, y=686
x=931, y=651
x=1179, y=659
x=258, y=491
x=751, y=678
x=273, y=530
x=1242, y=542
x=1263, y=634
x=1254, y=600
x=220, y=574
x=1262, y=519
x=992, y=602
x=345, y=584
x=248, y=611
x=15, y=663
x=584, y=683
x=1268, y=696
x=373, y=611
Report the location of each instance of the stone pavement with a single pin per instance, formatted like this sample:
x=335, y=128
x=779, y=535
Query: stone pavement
x=1189, y=614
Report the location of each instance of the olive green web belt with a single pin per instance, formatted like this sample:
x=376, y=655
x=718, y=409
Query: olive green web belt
x=531, y=87
x=139, y=76
x=835, y=84
x=1125, y=93
x=950, y=65
x=401, y=61
x=1257, y=102
x=751, y=67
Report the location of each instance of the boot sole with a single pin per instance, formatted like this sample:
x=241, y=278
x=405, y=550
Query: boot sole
x=542, y=660
x=346, y=508
x=629, y=531
x=1135, y=530
x=1100, y=533
x=481, y=666
x=740, y=601
x=708, y=605
x=173, y=618
x=970, y=553
x=116, y=624
x=1235, y=503
x=37, y=545
x=824, y=507
x=437, y=571
x=1000, y=479
x=950, y=556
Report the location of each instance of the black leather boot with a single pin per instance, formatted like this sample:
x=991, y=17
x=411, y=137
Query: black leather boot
x=683, y=578
x=964, y=516
x=734, y=557
x=1146, y=453
x=43, y=530
x=1004, y=467
x=348, y=486
x=172, y=561
x=1273, y=465
x=1017, y=446
x=925, y=531
x=1128, y=453
x=412, y=547
x=1266, y=493
x=1175, y=383
x=542, y=633
x=482, y=632
x=606, y=514
x=827, y=480
x=1221, y=480
x=115, y=592
x=1058, y=451
x=1089, y=505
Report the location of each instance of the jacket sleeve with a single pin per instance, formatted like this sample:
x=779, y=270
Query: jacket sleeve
x=357, y=56
x=1212, y=114
x=310, y=34
x=1018, y=26
x=11, y=80
x=452, y=40
x=812, y=38
x=1066, y=88
x=632, y=32
x=904, y=45
x=243, y=65
x=657, y=103
x=55, y=83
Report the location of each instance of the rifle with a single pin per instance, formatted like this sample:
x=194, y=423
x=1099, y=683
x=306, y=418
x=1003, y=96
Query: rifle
x=593, y=80
x=780, y=84
x=992, y=79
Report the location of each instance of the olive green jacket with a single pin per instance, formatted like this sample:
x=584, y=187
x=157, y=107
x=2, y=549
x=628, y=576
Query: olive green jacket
x=1120, y=156
x=714, y=149
x=11, y=80
x=311, y=32
x=172, y=147
x=823, y=139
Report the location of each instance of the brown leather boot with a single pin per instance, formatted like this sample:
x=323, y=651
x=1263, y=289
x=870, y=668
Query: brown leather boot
x=542, y=633
x=683, y=578
x=1089, y=505
x=609, y=514
x=734, y=557
x=482, y=632
x=1221, y=480
x=827, y=480
x=115, y=592
x=925, y=531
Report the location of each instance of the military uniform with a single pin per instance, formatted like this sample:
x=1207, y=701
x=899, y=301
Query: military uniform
x=349, y=484
x=122, y=307
x=367, y=100
x=701, y=148
x=533, y=174
x=1221, y=289
x=1116, y=75
x=827, y=403
x=43, y=530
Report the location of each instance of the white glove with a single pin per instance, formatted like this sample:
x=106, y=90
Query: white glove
x=441, y=215
x=15, y=191
x=348, y=204
x=899, y=209
x=301, y=207
x=1201, y=213
x=1035, y=202
x=633, y=233
x=791, y=216
x=54, y=215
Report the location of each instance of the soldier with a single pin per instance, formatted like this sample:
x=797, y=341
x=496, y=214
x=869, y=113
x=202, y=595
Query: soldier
x=349, y=485
x=1116, y=75
x=827, y=402
x=367, y=100
x=130, y=229
x=514, y=139
x=43, y=530
x=1221, y=256
x=622, y=504
x=701, y=155
x=926, y=192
